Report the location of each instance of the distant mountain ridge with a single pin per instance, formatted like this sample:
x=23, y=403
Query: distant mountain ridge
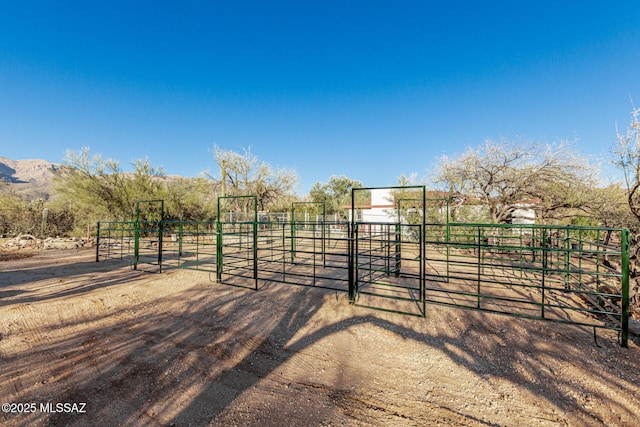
x=32, y=178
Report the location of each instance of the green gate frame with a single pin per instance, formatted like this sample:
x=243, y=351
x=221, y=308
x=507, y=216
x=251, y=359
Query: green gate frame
x=136, y=250
x=354, y=286
x=219, y=240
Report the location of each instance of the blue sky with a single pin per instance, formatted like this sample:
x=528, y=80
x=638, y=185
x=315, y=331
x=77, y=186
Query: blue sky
x=367, y=89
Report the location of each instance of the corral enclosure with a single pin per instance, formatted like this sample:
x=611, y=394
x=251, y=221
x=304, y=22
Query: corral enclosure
x=410, y=260
x=374, y=334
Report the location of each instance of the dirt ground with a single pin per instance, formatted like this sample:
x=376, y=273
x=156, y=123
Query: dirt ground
x=85, y=343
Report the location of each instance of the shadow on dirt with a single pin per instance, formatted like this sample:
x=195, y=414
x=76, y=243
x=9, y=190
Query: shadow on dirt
x=76, y=277
x=191, y=362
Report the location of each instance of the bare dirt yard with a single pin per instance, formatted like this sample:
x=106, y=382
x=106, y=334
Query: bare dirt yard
x=85, y=343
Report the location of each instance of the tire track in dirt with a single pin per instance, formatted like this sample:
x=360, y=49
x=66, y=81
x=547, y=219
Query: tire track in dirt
x=31, y=331
x=34, y=348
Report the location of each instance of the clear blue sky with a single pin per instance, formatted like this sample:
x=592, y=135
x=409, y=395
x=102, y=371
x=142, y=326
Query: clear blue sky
x=368, y=89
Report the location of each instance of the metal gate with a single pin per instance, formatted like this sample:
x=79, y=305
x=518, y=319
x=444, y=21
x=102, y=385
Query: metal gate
x=237, y=241
x=303, y=248
x=386, y=249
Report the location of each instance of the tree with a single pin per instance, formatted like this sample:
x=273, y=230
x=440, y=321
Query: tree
x=609, y=207
x=18, y=215
x=627, y=158
x=243, y=174
x=189, y=199
x=98, y=189
x=504, y=175
x=335, y=194
x=407, y=201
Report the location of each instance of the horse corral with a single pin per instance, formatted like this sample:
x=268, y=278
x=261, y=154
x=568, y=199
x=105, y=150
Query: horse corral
x=405, y=323
x=566, y=274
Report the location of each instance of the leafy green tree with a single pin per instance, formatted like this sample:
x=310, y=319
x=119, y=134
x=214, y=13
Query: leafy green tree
x=189, y=199
x=97, y=189
x=13, y=212
x=18, y=215
x=336, y=194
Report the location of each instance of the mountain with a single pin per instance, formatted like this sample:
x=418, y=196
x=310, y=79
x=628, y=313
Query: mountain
x=31, y=178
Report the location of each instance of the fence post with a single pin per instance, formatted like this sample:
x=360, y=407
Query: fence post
x=160, y=235
x=136, y=242
x=544, y=268
x=398, y=248
x=479, y=263
x=422, y=257
x=255, y=244
x=293, y=238
x=218, y=250
x=352, y=279
x=180, y=239
x=98, y=242
x=624, y=247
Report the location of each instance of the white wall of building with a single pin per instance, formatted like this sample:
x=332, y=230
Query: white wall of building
x=381, y=209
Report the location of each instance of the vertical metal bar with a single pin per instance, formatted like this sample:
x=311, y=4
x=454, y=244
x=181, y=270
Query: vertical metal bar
x=356, y=258
x=109, y=225
x=422, y=252
x=567, y=258
x=314, y=254
x=284, y=250
x=255, y=241
x=98, y=242
x=218, y=250
x=387, y=244
x=198, y=246
x=448, y=239
x=122, y=226
x=160, y=234
x=580, y=248
x=398, y=247
x=324, y=224
x=544, y=269
x=179, y=240
x=293, y=237
x=219, y=243
x=421, y=266
x=370, y=273
x=533, y=244
x=521, y=253
x=351, y=242
x=598, y=262
x=136, y=243
x=479, y=262
x=624, y=247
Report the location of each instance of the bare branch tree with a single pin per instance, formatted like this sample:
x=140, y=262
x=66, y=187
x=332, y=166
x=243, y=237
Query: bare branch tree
x=244, y=174
x=503, y=175
x=628, y=160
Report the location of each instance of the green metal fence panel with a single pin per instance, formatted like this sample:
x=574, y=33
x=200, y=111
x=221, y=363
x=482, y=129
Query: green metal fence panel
x=149, y=233
x=565, y=274
x=556, y=273
x=115, y=240
x=306, y=253
x=190, y=245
